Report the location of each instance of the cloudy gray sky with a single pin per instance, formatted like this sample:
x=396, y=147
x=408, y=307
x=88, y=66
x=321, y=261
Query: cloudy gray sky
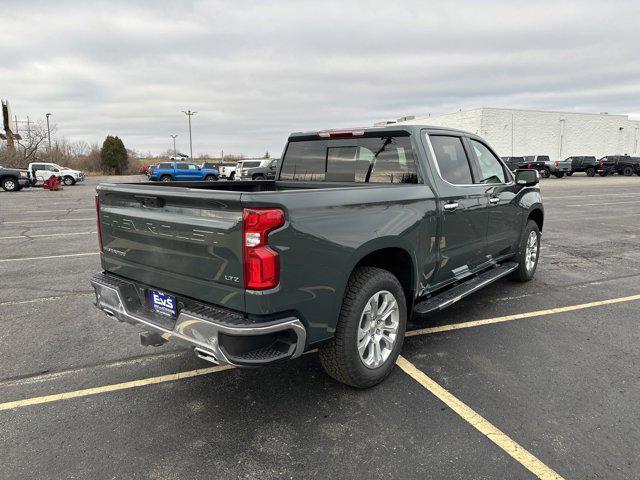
x=256, y=71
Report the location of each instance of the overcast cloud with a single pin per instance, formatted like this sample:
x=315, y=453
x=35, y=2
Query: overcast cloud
x=256, y=71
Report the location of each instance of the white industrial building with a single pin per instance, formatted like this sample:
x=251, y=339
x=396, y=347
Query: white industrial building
x=533, y=132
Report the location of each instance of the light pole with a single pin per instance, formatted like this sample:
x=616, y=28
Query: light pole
x=174, y=144
x=189, y=114
x=49, y=136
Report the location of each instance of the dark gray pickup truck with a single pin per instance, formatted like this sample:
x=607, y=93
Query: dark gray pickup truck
x=361, y=230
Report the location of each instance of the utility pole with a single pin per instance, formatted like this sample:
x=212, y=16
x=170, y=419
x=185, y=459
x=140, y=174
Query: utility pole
x=189, y=114
x=174, y=144
x=49, y=136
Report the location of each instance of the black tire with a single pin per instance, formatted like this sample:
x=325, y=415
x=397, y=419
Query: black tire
x=559, y=174
x=591, y=172
x=628, y=171
x=166, y=178
x=68, y=181
x=603, y=174
x=210, y=178
x=232, y=176
x=258, y=177
x=568, y=174
x=340, y=357
x=522, y=274
x=10, y=184
x=545, y=173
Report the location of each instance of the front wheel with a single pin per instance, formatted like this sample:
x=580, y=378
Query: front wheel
x=545, y=173
x=628, y=171
x=370, y=329
x=568, y=174
x=68, y=181
x=10, y=184
x=559, y=174
x=210, y=178
x=528, y=253
x=258, y=177
x=603, y=174
x=591, y=172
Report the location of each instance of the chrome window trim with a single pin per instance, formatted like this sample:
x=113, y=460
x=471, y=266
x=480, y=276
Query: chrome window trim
x=435, y=162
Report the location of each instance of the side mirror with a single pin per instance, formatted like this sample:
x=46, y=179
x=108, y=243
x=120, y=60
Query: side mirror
x=527, y=177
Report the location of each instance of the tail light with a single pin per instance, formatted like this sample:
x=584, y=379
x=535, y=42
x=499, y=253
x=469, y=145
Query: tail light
x=602, y=163
x=98, y=220
x=529, y=165
x=261, y=263
x=556, y=164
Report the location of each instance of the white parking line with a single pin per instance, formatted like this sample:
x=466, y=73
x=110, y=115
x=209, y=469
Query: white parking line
x=61, y=211
x=600, y=204
x=630, y=194
x=47, y=235
x=6, y=260
x=51, y=220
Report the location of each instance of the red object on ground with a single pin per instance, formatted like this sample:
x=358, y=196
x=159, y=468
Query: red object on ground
x=53, y=183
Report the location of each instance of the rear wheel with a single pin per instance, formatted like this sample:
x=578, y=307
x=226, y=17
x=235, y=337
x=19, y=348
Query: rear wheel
x=568, y=174
x=68, y=181
x=233, y=174
x=210, y=178
x=10, y=184
x=370, y=329
x=559, y=174
x=591, y=172
x=628, y=171
x=545, y=173
x=166, y=178
x=258, y=177
x=603, y=174
x=528, y=253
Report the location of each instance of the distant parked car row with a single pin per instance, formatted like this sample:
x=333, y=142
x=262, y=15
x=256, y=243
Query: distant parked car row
x=36, y=173
x=261, y=169
x=620, y=164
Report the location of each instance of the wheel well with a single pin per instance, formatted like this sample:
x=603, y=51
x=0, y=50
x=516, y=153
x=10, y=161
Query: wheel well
x=538, y=217
x=396, y=261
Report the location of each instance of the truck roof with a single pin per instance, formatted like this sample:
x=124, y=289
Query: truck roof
x=365, y=131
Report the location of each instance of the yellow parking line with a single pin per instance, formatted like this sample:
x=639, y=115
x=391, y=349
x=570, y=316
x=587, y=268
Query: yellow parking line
x=112, y=388
x=518, y=316
x=477, y=421
x=205, y=371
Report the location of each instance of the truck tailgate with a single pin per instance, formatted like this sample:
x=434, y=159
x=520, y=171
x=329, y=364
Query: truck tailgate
x=176, y=239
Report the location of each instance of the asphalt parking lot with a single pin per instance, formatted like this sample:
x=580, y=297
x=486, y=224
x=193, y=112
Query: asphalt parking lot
x=517, y=381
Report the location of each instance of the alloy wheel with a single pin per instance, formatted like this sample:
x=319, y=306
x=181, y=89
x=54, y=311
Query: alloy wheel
x=378, y=329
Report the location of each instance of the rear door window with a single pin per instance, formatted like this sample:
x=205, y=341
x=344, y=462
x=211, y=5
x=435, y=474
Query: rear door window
x=182, y=166
x=164, y=165
x=451, y=159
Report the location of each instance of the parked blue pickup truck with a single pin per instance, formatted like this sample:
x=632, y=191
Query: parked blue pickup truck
x=183, y=171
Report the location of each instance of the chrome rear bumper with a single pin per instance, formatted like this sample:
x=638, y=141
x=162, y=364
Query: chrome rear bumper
x=216, y=335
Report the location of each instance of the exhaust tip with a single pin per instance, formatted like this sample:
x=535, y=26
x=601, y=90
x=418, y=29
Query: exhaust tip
x=208, y=356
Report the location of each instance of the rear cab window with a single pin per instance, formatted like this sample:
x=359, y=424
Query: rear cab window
x=367, y=159
x=451, y=159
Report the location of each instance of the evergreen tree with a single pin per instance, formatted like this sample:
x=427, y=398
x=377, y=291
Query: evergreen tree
x=114, y=159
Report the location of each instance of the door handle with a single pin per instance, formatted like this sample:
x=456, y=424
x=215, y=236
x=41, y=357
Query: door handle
x=494, y=200
x=451, y=206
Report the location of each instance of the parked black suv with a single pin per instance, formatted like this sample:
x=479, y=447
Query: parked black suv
x=589, y=165
x=622, y=164
x=514, y=163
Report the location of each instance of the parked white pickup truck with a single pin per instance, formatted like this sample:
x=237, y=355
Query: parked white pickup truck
x=43, y=171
